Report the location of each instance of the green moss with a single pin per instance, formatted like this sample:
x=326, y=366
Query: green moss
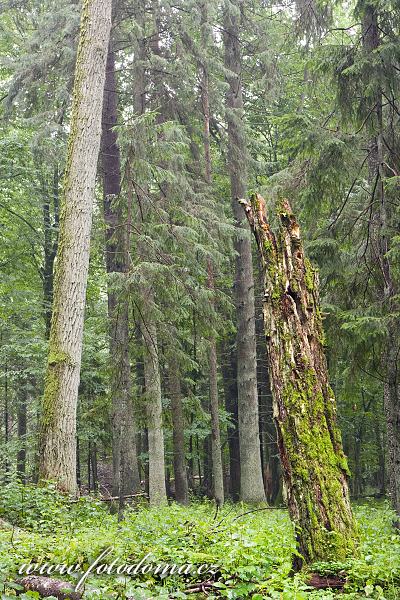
x=52, y=384
x=309, y=275
x=58, y=358
x=317, y=464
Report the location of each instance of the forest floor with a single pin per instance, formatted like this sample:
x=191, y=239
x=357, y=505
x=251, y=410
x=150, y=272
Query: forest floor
x=251, y=551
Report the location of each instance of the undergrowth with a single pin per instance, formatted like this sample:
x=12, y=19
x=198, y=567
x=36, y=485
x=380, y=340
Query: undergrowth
x=249, y=553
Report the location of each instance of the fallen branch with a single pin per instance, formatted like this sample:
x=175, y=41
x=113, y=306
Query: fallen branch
x=113, y=498
x=200, y=587
x=116, y=498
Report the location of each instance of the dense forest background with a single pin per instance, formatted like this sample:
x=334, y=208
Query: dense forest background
x=205, y=102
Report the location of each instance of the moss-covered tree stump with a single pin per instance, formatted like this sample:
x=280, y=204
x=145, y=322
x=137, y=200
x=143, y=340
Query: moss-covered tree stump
x=314, y=465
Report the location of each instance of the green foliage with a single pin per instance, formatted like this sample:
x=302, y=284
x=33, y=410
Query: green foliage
x=251, y=550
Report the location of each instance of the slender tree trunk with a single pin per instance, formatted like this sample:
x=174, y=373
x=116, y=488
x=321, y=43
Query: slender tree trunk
x=152, y=380
x=126, y=478
x=229, y=370
x=50, y=250
x=357, y=475
x=216, y=454
x=206, y=484
x=157, y=490
x=314, y=466
x=6, y=415
x=381, y=220
x=380, y=476
x=78, y=464
x=89, y=467
x=178, y=432
x=93, y=461
x=251, y=480
x=22, y=430
x=58, y=420
x=217, y=468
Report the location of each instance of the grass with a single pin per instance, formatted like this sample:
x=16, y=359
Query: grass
x=250, y=554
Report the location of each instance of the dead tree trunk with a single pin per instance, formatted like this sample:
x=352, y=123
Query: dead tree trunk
x=314, y=466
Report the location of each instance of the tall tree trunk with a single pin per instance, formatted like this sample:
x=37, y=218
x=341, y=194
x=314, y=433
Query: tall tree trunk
x=216, y=451
x=125, y=464
x=148, y=326
x=58, y=420
x=251, y=480
x=314, y=465
x=178, y=432
x=216, y=454
x=381, y=220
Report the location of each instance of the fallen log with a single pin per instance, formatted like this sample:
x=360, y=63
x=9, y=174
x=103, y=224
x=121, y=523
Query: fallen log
x=45, y=587
x=323, y=583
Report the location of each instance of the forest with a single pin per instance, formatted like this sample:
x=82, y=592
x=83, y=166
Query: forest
x=199, y=299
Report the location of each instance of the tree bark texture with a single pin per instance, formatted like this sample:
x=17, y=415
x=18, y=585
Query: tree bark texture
x=46, y=587
x=314, y=466
x=216, y=450
x=125, y=464
x=251, y=480
x=58, y=420
x=157, y=490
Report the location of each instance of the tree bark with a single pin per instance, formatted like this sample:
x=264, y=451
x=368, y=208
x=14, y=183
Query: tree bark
x=148, y=326
x=251, y=480
x=125, y=464
x=229, y=370
x=269, y=443
x=58, y=420
x=45, y=587
x=216, y=451
x=178, y=433
x=314, y=466
x=157, y=490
